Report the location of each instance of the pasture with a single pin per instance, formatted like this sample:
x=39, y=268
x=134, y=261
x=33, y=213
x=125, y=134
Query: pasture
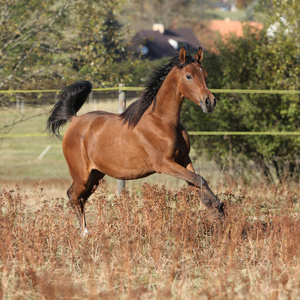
x=155, y=241
x=150, y=243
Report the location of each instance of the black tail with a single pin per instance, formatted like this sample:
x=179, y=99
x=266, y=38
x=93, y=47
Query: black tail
x=71, y=99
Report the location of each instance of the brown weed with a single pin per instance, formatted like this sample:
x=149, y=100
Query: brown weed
x=152, y=243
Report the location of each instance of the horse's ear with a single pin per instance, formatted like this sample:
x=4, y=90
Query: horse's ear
x=199, y=54
x=182, y=54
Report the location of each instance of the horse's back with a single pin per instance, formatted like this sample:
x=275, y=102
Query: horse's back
x=80, y=127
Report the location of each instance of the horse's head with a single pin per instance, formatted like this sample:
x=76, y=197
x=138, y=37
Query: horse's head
x=192, y=81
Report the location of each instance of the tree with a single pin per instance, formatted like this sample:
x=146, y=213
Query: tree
x=255, y=62
x=28, y=31
x=96, y=46
x=167, y=12
x=50, y=44
x=47, y=44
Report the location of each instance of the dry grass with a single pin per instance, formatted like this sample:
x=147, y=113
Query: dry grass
x=151, y=243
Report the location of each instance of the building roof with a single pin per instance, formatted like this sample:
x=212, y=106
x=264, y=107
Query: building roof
x=209, y=31
x=154, y=44
x=225, y=27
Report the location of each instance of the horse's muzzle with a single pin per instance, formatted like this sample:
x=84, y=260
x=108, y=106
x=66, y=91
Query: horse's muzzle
x=208, y=105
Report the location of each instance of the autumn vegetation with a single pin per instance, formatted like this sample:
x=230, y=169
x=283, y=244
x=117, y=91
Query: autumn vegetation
x=152, y=243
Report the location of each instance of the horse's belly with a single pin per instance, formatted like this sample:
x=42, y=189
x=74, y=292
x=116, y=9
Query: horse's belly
x=123, y=166
x=120, y=158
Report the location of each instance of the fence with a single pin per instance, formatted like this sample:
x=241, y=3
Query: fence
x=122, y=100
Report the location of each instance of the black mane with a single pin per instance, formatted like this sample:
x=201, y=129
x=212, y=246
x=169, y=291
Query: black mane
x=135, y=111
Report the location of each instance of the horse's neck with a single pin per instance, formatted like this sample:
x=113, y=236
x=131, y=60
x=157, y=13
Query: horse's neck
x=169, y=99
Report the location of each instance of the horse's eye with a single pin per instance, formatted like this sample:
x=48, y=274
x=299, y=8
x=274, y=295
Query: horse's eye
x=188, y=77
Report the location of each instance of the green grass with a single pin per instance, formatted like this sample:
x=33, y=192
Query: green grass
x=19, y=155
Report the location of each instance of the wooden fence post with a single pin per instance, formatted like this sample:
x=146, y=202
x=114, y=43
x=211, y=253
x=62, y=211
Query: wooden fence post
x=122, y=107
x=22, y=107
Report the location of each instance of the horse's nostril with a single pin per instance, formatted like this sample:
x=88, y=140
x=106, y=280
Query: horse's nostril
x=207, y=102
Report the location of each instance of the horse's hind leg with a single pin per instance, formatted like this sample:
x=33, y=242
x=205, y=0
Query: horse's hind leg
x=76, y=203
x=79, y=192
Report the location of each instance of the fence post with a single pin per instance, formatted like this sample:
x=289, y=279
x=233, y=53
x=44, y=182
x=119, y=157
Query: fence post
x=55, y=97
x=122, y=107
x=22, y=107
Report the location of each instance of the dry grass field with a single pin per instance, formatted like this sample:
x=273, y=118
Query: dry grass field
x=150, y=243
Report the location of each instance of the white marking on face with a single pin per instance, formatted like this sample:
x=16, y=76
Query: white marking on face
x=200, y=69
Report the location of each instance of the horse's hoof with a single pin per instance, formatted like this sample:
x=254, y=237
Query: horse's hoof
x=85, y=232
x=221, y=208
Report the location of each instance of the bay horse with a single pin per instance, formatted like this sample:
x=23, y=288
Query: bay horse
x=146, y=138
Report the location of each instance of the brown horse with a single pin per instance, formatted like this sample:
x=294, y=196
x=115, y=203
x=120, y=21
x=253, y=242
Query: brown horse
x=146, y=138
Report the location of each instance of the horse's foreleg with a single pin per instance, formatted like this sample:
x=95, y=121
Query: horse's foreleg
x=187, y=173
x=208, y=198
